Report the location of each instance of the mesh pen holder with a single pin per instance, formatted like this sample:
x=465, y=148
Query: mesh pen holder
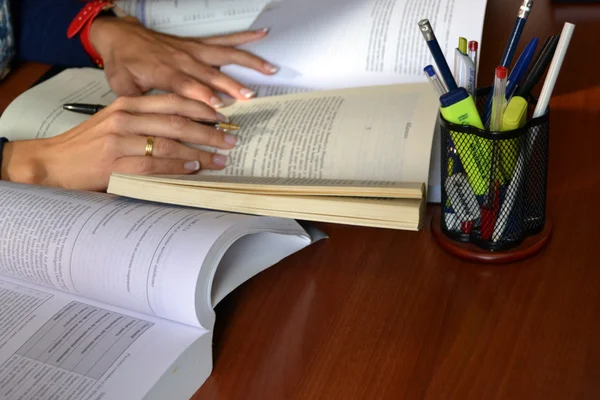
x=493, y=184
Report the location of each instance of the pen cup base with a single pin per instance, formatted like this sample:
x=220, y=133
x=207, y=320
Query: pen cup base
x=530, y=246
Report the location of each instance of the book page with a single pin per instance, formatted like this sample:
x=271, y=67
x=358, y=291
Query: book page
x=289, y=186
x=371, y=134
x=343, y=43
x=150, y=258
x=58, y=346
x=74, y=85
x=277, y=90
x=193, y=17
x=38, y=113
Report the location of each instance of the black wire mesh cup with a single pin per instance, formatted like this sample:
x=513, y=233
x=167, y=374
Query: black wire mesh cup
x=493, y=184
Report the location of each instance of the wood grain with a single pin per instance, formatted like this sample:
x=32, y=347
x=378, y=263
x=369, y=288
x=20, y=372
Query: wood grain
x=382, y=314
x=18, y=81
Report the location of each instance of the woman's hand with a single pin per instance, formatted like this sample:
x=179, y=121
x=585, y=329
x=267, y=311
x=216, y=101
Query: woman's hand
x=137, y=60
x=115, y=139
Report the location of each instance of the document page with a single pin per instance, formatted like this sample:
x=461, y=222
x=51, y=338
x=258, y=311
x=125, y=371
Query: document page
x=193, y=17
x=370, y=134
x=142, y=256
x=38, y=113
x=57, y=346
x=342, y=43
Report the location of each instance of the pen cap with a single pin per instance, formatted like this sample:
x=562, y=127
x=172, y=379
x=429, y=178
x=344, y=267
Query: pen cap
x=515, y=114
x=473, y=45
x=458, y=107
x=514, y=117
x=453, y=97
x=462, y=45
x=501, y=72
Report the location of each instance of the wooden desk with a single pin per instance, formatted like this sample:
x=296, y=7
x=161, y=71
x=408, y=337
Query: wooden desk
x=381, y=314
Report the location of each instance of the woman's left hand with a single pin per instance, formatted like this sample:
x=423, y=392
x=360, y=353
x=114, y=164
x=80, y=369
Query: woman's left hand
x=137, y=59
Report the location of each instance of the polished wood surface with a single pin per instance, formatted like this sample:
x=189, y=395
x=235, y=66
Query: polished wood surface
x=382, y=314
x=18, y=81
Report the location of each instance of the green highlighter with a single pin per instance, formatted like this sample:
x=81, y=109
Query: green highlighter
x=514, y=117
x=475, y=153
x=515, y=114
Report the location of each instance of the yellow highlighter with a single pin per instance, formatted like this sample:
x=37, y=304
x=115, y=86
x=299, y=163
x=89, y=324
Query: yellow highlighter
x=515, y=114
x=514, y=117
x=475, y=153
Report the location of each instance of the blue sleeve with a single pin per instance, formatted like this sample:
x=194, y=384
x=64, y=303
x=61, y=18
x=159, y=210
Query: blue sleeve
x=41, y=32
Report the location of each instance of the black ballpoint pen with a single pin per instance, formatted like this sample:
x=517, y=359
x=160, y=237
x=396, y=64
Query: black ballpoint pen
x=538, y=67
x=91, y=109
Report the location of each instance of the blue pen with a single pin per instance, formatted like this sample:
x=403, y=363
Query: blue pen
x=509, y=51
x=435, y=81
x=520, y=67
x=437, y=54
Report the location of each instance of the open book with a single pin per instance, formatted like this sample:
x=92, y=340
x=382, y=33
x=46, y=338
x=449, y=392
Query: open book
x=327, y=44
x=103, y=297
x=332, y=44
x=356, y=156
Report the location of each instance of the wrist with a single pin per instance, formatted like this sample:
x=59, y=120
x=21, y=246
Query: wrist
x=82, y=23
x=101, y=35
x=20, y=162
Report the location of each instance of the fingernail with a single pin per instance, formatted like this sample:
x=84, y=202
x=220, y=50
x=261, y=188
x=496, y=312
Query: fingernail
x=221, y=160
x=216, y=102
x=191, y=165
x=271, y=68
x=232, y=139
x=262, y=30
x=222, y=118
x=247, y=93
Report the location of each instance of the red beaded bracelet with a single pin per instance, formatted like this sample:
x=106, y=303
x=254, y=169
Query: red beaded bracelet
x=82, y=24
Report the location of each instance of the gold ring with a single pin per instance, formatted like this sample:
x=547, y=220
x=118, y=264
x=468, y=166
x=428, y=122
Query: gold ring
x=149, y=146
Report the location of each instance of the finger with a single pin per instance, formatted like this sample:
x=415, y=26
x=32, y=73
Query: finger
x=236, y=39
x=122, y=83
x=219, y=56
x=189, y=86
x=171, y=127
x=135, y=146
x=170, y=104
x=150, y=165
x=165, y=166
x=219, y=81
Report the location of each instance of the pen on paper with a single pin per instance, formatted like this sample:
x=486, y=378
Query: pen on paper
x=91, y=109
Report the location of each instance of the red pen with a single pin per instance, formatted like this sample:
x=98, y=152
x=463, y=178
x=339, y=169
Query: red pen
x=491, y=206
x=489, y=212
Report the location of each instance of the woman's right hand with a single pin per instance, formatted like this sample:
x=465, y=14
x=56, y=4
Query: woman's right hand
x=114, y=140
